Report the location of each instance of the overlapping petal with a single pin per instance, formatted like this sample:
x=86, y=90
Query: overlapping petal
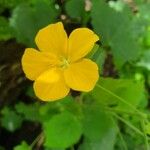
x=82, y=75
x=51, y=86
x=34, y=62
x=81, y=42
x=52, y=38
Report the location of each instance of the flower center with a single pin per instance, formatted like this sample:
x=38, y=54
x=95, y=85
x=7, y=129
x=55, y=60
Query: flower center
x=64, y=63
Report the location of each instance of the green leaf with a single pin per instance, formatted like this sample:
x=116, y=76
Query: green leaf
x=144, y=11
x=124, y=88
x=62, y=131
x=107, y=143
x=99, y=129
x=54, y=148
x=71, y=105
x=30, y=112
x=75, y=8
x=11, y=3
x=22, y=146
x=147, y=128
x=10, y=119
x=146, y=39
x=96, y=123
x=145, y=60
x=98, y=55
x=93, y=51
x=141, y=23
x=27, y=20
x=5, y=29
x=115, y=30
x=99, y=58
x=38, y=112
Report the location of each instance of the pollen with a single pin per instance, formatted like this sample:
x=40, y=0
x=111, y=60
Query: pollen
x=64, y=63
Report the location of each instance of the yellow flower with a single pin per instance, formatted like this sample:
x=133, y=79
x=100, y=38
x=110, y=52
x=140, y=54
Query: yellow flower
x=59, y=65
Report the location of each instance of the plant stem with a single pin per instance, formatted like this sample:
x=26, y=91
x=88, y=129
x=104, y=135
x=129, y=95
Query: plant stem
x=36, y=139
x=146, y=139
x=124, y=145
x=122, y=100
x=128, y=124
x=122, y=111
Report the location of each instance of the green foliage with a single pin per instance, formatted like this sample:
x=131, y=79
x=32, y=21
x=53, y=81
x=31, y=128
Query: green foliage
x=22, y=146
x=98, y=55
x=10, y=119
x=146, y=39
x=5, y=30
x=115, y=115
x=145, y=61
x=124, y=88
x=75, y=8
x=144, y=10
x=99, y=58
x=29, y=112
x=115, y=29
x=94, y=129
x=27, y=20
x=99, y=129
x=10, y=3
x=65, y=126
x=106, y=143
x=147, y=128
x=37, y=112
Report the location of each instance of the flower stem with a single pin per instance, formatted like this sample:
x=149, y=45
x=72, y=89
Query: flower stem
x=146, y=139
x=122, y=100
x=128, y=124
x=38, y=138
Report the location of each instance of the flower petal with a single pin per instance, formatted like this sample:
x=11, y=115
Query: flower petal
x=50, y=86
x=52, y=38
x=81, y=42
x=34, y=62
x=82, y=75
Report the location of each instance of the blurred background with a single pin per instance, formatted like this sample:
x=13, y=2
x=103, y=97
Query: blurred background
x=123, y=56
